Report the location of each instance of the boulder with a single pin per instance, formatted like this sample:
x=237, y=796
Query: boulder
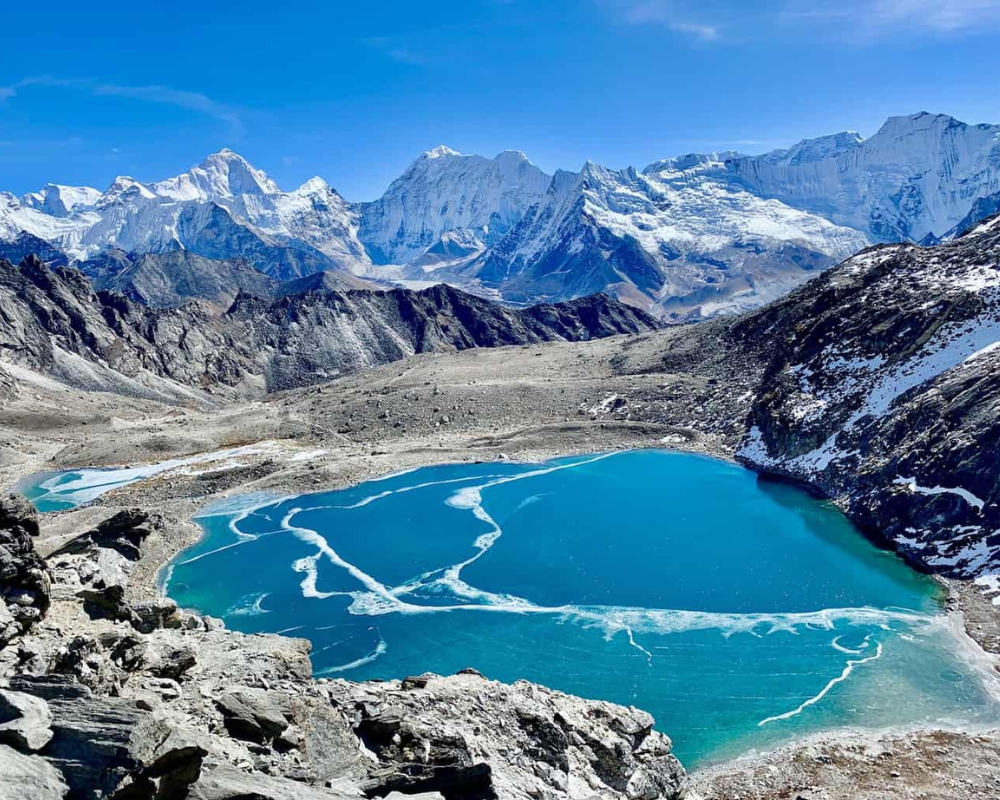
x=160, y=612
x=28, y=777
x=25, y=721
x=252, y=715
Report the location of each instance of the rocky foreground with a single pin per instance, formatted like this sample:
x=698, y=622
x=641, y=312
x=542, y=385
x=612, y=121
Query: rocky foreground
x=106, y=697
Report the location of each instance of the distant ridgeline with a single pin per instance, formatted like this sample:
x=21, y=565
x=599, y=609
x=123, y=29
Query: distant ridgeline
x=56, y=325
x=685, y=238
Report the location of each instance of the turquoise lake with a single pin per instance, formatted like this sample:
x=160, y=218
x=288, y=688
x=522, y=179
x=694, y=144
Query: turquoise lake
x=740, y=612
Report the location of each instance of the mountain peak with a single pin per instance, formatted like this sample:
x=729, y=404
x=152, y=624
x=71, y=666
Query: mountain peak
x=313, y=185
x=441, y=150
x=223, y=174
x=922, y=120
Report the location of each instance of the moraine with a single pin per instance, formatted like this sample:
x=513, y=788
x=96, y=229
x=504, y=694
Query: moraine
x=740, y=612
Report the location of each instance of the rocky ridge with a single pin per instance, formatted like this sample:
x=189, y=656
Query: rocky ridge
x=57, y=325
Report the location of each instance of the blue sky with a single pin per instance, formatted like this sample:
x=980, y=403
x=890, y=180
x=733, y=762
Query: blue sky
x=354, y=91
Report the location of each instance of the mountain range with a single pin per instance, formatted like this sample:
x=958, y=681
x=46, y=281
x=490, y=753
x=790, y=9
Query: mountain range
x=685, y=238
x=56, y=327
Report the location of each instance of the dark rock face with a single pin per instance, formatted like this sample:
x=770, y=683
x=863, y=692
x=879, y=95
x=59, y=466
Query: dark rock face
x=168, y=280
x=881, y=389
x=55, y=323
x=24, y=579
x=25, y=245
x=124, y=532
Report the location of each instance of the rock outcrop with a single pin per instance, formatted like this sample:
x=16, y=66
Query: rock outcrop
x=24, y=577
x=513, y=741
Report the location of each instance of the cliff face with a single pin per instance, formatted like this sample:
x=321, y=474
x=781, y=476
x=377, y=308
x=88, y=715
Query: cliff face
x=881, y=389
x=56, y=324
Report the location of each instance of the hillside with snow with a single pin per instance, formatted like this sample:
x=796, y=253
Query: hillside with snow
x=881, y=391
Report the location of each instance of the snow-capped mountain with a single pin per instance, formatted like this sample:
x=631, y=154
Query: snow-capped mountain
x=687, y=237
x=444, y=191
x=676, y=238
x=222, y=208
x=60, y=201
x=915, y=179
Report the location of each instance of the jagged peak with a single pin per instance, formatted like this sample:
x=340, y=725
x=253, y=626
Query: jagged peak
x=225, y=154
x=312, y=186
x=120, y=186
x=518, y=156
x=440, y=151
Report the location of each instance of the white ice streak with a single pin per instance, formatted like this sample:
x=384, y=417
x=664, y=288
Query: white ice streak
x=848, y=669
x=92, y=483
x=379, y=650
x=851, y=652
x=249, y=606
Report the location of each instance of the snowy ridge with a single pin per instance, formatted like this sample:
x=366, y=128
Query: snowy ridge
x=675, y=239
x=444, y=191
x=916, y=178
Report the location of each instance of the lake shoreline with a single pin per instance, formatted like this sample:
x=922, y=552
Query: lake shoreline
x=287, y=480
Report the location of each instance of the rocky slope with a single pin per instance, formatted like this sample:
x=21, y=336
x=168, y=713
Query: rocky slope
x=880, y=389
x=109, y=697
x=165, y=280
x=56, y=325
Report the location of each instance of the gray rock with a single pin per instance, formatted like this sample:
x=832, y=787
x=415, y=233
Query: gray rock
x=455, y=735
x=98, y=742
x=160, y=612
x=28, y=777
x=226, y=783
x=123, y=532
x=252, y=715
x=25, y=582
x=24, y=721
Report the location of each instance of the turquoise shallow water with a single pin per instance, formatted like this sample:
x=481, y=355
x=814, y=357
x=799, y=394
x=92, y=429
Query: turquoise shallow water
x=741, y=613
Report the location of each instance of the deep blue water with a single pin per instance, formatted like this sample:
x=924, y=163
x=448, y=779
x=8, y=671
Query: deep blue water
x=740, y=612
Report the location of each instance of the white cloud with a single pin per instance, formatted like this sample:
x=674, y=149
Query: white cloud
x=7, y=92
x=880, y=18
x=163, y=95
x=711, y=20
x=674, y=16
